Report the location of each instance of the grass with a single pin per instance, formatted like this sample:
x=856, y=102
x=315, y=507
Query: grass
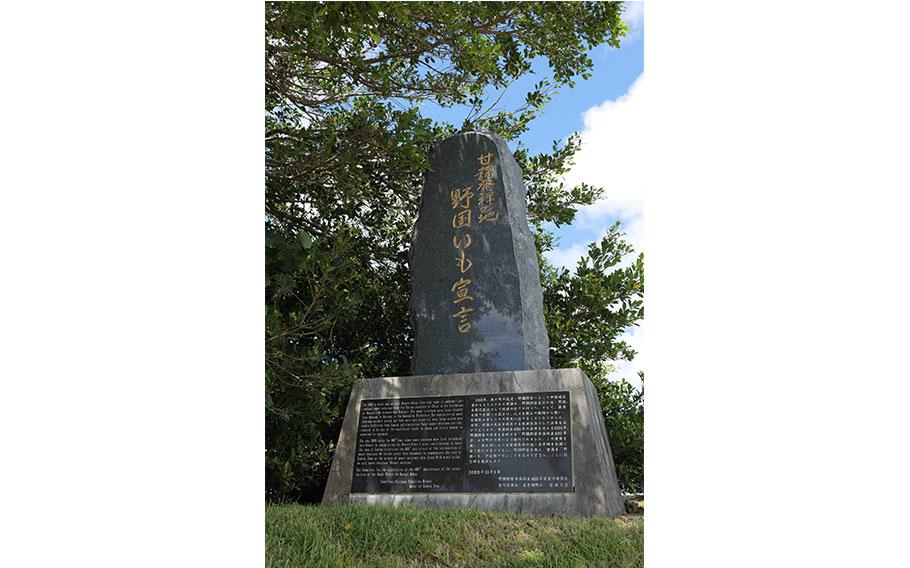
x=382, y=537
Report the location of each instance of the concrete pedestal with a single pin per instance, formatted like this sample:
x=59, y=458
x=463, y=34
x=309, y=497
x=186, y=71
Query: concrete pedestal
x=595, y=490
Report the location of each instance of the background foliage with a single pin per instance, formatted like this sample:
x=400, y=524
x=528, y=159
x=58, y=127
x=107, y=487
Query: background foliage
x=345, y=150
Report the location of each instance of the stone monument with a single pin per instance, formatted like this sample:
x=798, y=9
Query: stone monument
x=476, y=300
x=484, y=423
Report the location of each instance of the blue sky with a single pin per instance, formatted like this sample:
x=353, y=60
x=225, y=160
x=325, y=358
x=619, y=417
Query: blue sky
x=605, y=109
x=614, y=72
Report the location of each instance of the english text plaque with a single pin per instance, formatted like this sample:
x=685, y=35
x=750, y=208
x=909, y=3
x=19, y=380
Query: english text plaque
x=495, y=443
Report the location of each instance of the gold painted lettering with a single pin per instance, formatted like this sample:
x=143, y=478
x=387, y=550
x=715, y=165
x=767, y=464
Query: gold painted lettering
x=462, y=219
x=462, y=244
x=487, y=216
x=461, y=197
x=461, y=291
x=464, y=263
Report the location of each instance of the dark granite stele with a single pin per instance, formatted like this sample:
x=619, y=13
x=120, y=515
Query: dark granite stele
x=507, y=331
x=595, y=489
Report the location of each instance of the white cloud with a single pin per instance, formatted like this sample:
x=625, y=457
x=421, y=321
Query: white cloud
x=629, y=369
x=634, y=15
x=635, y=235
x=566, y=257
x=612, y=156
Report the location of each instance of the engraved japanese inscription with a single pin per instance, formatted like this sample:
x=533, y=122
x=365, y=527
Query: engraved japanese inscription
x=476, y=299
x=517, y=442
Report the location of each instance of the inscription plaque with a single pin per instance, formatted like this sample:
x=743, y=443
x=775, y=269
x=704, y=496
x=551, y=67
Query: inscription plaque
x=516, y=442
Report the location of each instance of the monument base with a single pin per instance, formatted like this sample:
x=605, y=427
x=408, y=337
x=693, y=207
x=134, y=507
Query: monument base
x=529, y=442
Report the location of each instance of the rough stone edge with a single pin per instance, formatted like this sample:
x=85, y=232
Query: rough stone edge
x=533, y=326
x=521, y=237
x=609, y=465
x=583, y=502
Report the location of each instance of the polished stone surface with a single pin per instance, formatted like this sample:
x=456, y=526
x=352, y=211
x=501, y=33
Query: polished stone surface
x=500, y=443
x=476, y=299
x=595, y=487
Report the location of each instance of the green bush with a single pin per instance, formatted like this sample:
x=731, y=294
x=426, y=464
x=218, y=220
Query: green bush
x=624, y=414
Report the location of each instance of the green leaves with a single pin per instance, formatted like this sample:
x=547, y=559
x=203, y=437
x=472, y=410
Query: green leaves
x=548, y=198
x=587, y=312
x=346, y=147
x=325, y=55
x=624, y=415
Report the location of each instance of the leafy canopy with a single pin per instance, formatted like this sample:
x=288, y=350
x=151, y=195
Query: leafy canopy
x=346, y=145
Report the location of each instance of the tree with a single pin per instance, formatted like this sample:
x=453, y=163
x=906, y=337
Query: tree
x=346, y=145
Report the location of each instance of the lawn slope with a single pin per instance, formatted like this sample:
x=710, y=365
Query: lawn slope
x=377, y=537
